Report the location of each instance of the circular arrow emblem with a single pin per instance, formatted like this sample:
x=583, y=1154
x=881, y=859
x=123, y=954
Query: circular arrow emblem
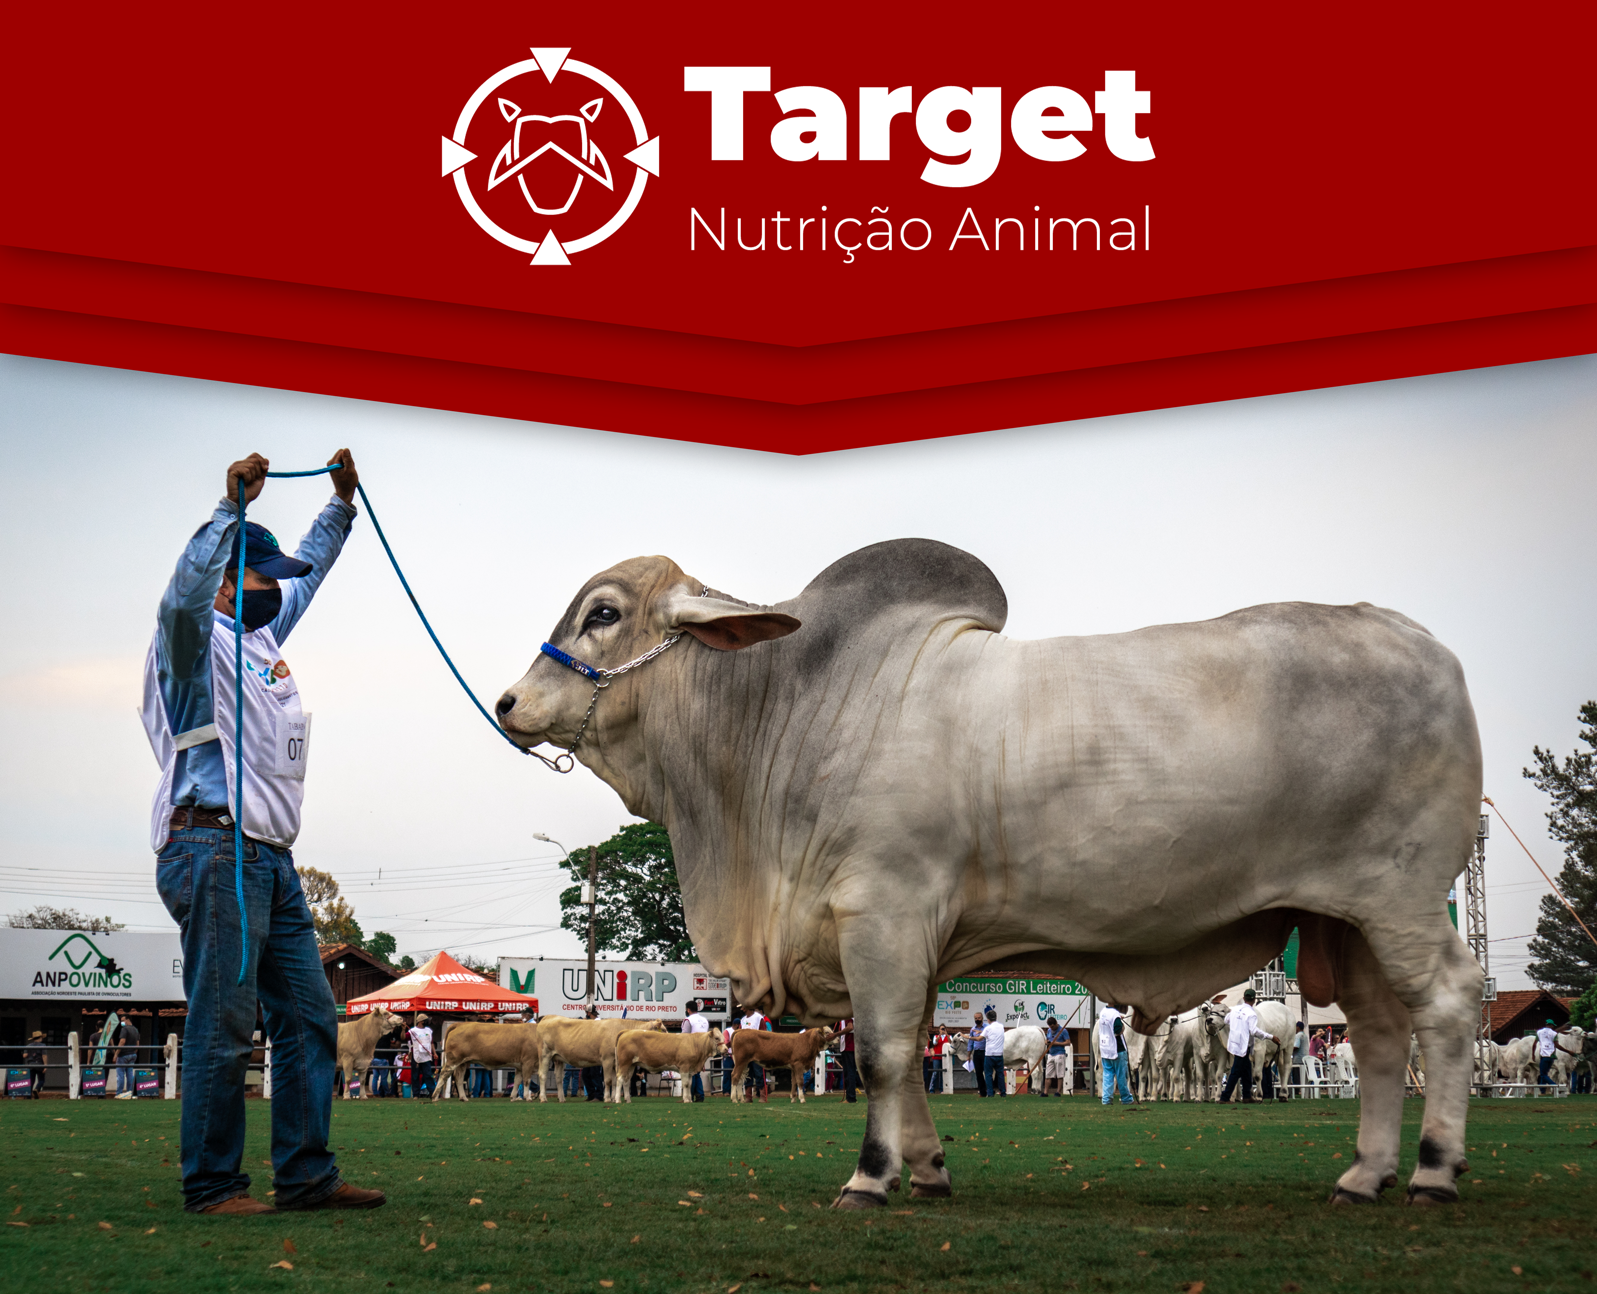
x=529, y=156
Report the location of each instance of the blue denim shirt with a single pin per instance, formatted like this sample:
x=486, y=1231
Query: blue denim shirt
x=186, y=627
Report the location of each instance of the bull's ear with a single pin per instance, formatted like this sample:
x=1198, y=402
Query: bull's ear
x=724, y=625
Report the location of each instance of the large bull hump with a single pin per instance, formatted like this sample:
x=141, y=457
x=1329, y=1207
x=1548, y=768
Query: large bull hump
x=898, y=578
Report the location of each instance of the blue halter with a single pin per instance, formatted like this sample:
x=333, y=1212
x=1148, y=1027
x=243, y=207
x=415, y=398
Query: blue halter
x=571, y=662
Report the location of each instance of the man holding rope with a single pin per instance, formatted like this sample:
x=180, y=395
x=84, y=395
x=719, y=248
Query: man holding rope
x=189, y=717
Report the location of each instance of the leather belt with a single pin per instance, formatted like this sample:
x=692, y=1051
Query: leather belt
x=188, y=817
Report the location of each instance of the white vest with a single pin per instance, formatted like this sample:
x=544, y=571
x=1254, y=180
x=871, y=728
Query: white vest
x=276, y=738
x=1107, y=1047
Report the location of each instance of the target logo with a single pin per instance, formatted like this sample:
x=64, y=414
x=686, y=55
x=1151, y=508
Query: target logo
x=531, y=156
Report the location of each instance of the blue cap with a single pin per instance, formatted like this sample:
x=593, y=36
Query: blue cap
x=261, y=554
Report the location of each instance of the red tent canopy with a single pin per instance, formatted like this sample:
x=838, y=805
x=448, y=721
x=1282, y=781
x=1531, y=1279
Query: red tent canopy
x=443, y=984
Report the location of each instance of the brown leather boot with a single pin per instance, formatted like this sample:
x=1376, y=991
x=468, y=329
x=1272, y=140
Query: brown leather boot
x=345, y=1197
x=240, y=1206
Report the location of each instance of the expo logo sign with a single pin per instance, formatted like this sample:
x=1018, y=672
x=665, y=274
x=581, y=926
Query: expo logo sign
x=76, y=952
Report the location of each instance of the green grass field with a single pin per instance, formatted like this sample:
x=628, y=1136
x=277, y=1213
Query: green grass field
x=1059, y=1194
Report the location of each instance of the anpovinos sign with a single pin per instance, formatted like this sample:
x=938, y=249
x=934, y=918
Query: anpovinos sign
x=76, y=964
x=546, y=119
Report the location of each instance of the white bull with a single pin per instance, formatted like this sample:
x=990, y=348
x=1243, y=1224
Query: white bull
x=357, y=1046
x=1195, y=1058
x=1024, y=1048
x=1276, y=1020
x=871, y=790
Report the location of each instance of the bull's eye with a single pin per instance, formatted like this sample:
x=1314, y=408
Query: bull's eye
x=602, y=616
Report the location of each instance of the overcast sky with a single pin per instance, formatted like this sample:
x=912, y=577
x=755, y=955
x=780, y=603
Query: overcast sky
x=1463, y=500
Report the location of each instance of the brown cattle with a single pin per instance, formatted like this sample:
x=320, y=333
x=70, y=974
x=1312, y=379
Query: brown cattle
x=686, y=1053
x=794, y=1052
x=497, y=1046
x=582, y=1043
x=357, y=1044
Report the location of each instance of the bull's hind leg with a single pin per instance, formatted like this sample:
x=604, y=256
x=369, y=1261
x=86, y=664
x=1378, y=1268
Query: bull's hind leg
x=1435, y=976
x=1380, y=1023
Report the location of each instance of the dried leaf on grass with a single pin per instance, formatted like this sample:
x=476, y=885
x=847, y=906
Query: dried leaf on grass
x=284, y=1264
x=430, y=1247
x=1192, y=1287
x=473, y=1200
x=288, y=1247
x=104, y=1226
x=947, y=1245
x=490, y=1226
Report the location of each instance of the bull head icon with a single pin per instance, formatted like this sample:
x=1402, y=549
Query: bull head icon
x=534, y=136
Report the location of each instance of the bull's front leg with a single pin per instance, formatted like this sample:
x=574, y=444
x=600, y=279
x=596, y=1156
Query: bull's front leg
x=891, y=968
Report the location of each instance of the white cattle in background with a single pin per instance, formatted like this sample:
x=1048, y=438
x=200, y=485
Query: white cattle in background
x=1195, y=1058
x=1024, y=1048
x=1516, y=1061
x=1277, y=1020
x=1344, y=1064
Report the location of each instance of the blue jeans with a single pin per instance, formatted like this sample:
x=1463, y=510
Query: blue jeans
x=997, y=1083
x=697, y=1090
x=195, y=878
x=124, y=1073
x=481, y=1085
x=1116, y=1075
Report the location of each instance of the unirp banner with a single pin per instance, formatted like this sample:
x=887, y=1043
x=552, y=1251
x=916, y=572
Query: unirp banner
x=759, y=230
x=74, y=964
x=643, y=990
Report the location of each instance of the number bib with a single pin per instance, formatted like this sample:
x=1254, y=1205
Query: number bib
x=293, y=745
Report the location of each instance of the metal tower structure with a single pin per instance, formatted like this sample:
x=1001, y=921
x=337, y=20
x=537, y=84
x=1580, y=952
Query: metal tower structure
x=1475, y=936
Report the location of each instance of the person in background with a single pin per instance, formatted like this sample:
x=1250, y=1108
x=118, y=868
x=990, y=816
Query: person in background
x=33, y=1059
x=593, y=1075
x=845, y=1054
x=1242, y=1024
x=107, y=1036
x=127, y=1056
x=422, y=1056
x=1056, y=1067
x=926, y=1060
x=993, y=1042
x=1318, y=1047
x=753, y=1018
x=1300, y=1050
x=1112, y=1051
x=380, y=1076
x=940, y=1045
x=1546, y=1045
x=976, y=1046
x=696, y=1023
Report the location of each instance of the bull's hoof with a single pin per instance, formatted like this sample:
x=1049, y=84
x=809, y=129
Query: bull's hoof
x=894, y=1184
x=848, y=1199
x=1343, y=1196
x=930, y=1191
x=1433, y=1195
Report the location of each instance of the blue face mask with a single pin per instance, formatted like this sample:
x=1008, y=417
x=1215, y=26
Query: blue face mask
x=261, y=607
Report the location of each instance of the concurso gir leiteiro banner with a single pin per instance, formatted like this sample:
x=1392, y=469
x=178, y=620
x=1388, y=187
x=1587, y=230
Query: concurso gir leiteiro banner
x=798, y=230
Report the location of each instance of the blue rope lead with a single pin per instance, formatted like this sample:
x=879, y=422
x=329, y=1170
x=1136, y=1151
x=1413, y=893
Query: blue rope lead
x=238, y=688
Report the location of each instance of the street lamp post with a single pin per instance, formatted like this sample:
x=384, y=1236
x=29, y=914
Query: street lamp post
x=591, y=898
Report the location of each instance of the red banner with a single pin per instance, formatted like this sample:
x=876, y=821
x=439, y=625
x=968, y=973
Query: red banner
x=753, y=231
